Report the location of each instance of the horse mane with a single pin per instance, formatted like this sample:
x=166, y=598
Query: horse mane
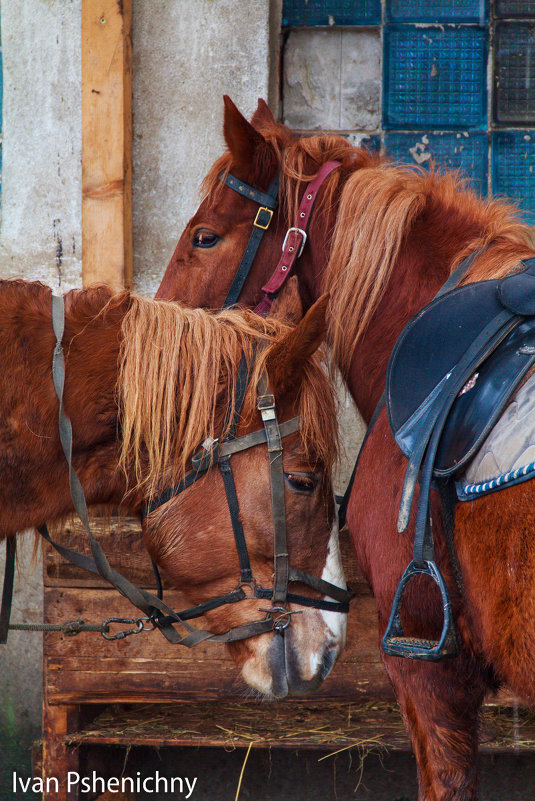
x=379, y=206
x=177, y=379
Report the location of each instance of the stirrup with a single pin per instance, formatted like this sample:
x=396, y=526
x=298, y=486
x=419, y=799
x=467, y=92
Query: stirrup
x=395, y=643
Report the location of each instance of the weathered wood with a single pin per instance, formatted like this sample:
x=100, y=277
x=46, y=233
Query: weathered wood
x=89, y=669
x=107, y=142
x=301, y=724
x=57, y=758
x=121, y=538
x=311, y=724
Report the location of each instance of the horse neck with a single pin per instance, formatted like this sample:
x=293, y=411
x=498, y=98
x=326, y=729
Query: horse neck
x=91, y=345
x=421, y=268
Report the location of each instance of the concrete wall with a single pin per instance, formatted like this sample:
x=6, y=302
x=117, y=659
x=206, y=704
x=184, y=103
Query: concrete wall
x=185, y=58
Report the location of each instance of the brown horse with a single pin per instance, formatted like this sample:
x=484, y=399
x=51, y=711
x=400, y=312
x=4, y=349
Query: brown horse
x=138, y=414
x=382, y=240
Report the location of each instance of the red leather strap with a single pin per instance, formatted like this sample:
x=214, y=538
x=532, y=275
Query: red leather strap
x=295, y=239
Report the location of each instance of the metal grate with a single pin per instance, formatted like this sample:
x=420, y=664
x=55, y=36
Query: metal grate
x=514, y=8
x=331, y=12
x=431, y=11
x=513, y=168
x=435, y=77
x=514, y=79
x=460, y=150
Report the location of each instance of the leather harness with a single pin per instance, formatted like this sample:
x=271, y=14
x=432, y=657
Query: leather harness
x=157, y=613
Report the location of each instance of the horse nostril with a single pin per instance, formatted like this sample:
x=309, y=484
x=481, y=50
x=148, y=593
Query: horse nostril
x=327, y=663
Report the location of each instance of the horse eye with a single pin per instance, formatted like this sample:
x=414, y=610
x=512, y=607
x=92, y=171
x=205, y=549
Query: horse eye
x=301, y=482
x=204, y=238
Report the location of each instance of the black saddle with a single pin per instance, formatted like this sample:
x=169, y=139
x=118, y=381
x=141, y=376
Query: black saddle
x=481, y=333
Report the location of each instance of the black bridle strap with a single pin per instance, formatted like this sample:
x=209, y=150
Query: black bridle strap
x=268, y=202
x=7, y=592
x=208, y=457
x=266, y=407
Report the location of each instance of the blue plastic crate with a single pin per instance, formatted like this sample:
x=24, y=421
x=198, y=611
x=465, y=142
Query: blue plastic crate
x=331, y=12
x=513, y=168
x=432, y=11
x=514, y=8
x=464, y=151
x=435, y=77
x=514, y=74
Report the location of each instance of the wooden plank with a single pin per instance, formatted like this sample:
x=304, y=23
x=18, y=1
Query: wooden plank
x=94, y=606
x=326, y=725
x=57, y=758
x=300, y=724
x=107, y=142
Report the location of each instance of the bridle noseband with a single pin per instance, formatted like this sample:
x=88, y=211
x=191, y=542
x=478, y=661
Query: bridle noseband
x=219, y=453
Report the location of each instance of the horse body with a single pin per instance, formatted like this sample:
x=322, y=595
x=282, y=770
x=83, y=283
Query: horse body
x=137, y=419
x=383, y=240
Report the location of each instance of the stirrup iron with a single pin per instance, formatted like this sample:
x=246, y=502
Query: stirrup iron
x=395, y=643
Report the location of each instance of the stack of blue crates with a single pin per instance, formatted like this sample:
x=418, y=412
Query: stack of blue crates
x=438, y=103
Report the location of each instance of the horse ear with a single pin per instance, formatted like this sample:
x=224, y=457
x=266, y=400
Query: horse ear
x=288, y=357
x=287, y=306
x=242, y=139
x=263, y=115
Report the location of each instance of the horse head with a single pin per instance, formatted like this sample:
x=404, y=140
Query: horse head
x=191, y=536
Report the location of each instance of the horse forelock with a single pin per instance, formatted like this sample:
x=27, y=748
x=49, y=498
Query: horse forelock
x=177, y=381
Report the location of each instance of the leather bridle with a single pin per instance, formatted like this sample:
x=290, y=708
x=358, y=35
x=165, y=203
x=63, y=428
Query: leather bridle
x=219, y=453
x=294, y=240
x=157, y=613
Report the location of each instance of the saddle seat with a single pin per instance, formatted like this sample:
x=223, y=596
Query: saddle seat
x=428, y=368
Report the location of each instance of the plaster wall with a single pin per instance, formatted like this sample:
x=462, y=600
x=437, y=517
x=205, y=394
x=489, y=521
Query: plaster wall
x=185, y=58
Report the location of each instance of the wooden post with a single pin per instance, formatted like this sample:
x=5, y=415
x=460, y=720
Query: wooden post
x=107, y=142
x=58, y=759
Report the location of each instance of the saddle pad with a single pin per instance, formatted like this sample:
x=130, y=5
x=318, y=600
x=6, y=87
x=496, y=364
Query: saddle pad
x=507, y=455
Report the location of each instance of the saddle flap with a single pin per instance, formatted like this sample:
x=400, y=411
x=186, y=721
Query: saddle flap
x=427, y=352
x=517, y=292
x=475, y=412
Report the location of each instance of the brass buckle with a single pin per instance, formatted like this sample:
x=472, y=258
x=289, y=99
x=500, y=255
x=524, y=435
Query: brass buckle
x=257, y=224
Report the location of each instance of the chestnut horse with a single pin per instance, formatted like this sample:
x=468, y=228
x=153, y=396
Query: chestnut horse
x=138, y=414
x=382, y=240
